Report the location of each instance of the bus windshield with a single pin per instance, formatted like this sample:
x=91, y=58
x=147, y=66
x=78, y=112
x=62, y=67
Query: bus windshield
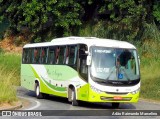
x=114, y=65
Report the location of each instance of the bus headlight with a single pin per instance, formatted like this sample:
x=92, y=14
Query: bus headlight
x=95, y=89
x=136, y=91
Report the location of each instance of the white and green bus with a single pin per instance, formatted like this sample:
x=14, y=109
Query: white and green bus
x=82, y=69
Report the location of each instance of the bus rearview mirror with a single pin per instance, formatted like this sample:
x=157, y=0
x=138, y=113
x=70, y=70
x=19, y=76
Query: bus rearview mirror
x=88, y=60
x=86, y=52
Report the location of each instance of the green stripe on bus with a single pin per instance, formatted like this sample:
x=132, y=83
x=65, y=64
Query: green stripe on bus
x=55, y=87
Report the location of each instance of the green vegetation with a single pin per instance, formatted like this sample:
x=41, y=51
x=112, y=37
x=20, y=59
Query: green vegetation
x=150, y=80
x=150, y=65
x=9, y=76
x=11, y=63
x=34, y=19
x=3, y=26
x=8, y=91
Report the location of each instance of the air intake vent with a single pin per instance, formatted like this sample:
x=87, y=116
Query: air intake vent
x=117, y=93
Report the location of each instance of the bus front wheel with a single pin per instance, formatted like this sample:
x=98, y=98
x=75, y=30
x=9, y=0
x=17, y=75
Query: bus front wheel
x=73, y=97
x=39, y=95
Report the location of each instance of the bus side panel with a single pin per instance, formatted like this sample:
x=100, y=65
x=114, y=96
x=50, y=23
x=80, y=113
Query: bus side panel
x=59, y=77
x=46, y=83
x=27, y=77
x=49, y=89
x=83, y=92
x=53, y=79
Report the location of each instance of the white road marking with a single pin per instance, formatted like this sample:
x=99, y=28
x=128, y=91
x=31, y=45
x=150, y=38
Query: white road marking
x=34, y=107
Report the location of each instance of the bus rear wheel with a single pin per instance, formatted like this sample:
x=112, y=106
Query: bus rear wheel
x=115, y=105
x=73, y=97
x=39, y=95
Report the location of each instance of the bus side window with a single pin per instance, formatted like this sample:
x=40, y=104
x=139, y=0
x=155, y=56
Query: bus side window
x=51, y=55
x=82, y=62
x=61, y=55
x=72, y=56
x=44, y=55
x=66, y=55
x=37, y=55
x=24, y=57
x=31, y=55
x=57, y=55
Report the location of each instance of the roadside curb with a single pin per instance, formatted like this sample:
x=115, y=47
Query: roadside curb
x=17, y=106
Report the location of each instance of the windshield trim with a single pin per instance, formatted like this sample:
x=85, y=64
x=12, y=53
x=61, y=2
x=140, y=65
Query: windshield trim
x=115, y=82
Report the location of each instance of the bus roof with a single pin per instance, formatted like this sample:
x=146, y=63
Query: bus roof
x=89, y=41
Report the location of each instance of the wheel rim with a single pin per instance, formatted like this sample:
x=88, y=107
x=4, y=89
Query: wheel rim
x=72, y=95
x=37, y=90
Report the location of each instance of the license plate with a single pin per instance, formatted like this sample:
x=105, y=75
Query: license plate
x=117, y=98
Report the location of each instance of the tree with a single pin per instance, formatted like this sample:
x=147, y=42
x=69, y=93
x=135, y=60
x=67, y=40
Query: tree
x=156, y=12
x=126, y=18
x=43, y=20
x=41, y=17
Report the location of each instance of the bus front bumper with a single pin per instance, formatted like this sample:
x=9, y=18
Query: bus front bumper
x=105, y=97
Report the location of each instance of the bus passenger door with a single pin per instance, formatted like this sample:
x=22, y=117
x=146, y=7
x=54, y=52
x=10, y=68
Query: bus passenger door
x=83, y=73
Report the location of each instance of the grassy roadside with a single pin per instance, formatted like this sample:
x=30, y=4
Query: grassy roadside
x=150, y=70
x=9, y=76
x=11, y=63
x=150, y=82
x=8, y=91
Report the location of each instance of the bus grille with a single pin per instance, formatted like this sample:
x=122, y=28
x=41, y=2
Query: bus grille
x=112, y=98
x=117, y=93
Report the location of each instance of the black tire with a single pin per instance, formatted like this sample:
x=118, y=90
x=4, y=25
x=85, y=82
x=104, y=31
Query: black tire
x=73, y=97
x=115, y=105
x=46, y=96
x=39, y=95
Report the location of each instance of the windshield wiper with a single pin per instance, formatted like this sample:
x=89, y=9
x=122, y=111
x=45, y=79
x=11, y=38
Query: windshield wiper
x=109, y=75
x=100, y=80
x=126, y=75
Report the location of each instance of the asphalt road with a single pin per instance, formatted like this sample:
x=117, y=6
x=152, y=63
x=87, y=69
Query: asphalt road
x=57, y=103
